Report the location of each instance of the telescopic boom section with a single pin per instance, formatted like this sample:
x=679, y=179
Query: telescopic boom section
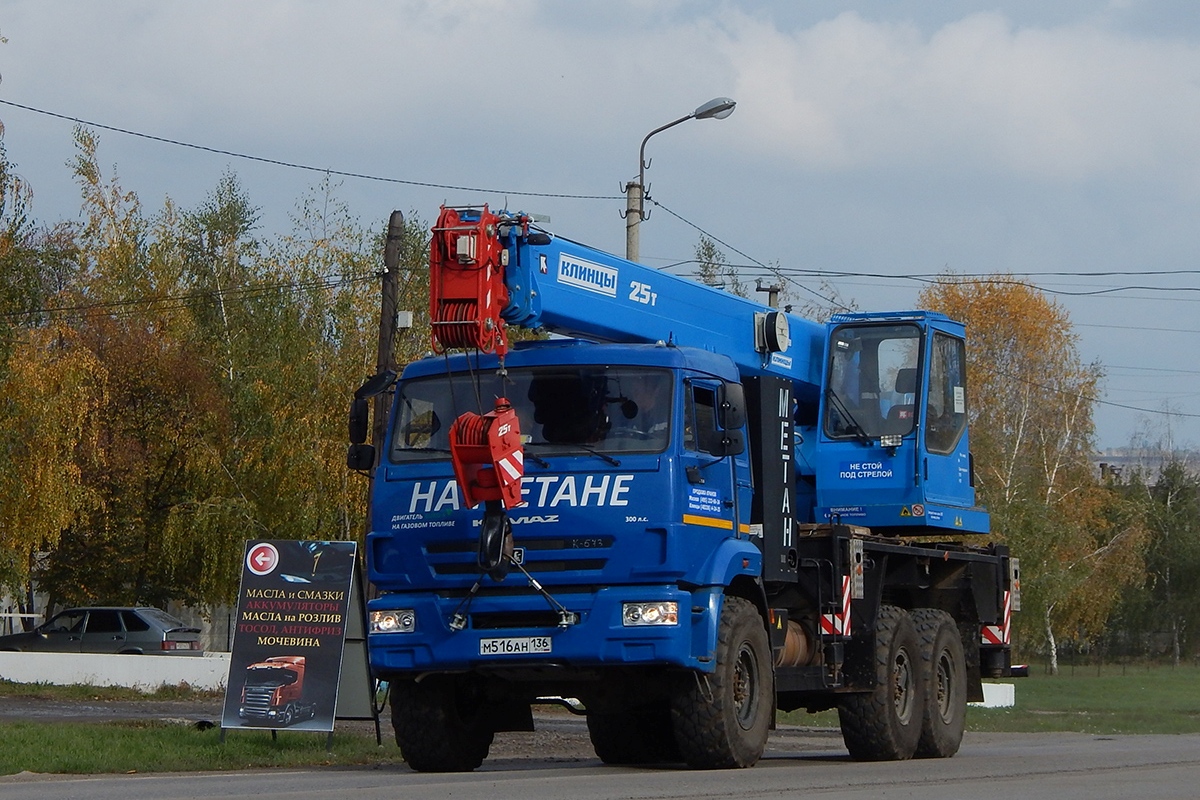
x=466, y=283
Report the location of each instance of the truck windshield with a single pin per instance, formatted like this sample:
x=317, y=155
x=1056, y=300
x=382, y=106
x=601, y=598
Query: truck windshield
x=872, y=381
x=270, y=676
x=586, y=409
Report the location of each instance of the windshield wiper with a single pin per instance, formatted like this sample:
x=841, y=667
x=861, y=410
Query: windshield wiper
x=603, y=456
x=855, y=429
x=541, y=462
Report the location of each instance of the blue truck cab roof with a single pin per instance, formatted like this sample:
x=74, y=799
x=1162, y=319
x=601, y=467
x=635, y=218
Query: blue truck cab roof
x=552, y=352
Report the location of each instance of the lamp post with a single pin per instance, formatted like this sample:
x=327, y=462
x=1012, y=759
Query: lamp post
x=635, y=210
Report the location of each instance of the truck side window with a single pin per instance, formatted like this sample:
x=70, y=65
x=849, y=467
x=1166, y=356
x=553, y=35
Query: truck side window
x=700, y=418
x=947, y=401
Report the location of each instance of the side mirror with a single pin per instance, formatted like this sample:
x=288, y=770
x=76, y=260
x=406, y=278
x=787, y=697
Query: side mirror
x=733, y=442
x=358, y=421
x=730, y=442
x=376, y=384
x=731, y=407
x=360, y=457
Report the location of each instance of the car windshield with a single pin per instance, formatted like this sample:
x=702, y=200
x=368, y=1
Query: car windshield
x=597, y=409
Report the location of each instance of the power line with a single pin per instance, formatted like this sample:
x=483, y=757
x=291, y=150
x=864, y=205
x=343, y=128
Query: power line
x=719, y=241
x=293, y=165
x=950, y=278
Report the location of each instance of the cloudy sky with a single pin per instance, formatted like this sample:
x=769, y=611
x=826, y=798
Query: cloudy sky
x=881, y=143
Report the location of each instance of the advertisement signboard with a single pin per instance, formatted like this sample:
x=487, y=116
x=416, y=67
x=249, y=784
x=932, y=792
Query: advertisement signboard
x=294, y=610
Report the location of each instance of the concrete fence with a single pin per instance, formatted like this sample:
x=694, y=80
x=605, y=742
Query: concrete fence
x=147, y=672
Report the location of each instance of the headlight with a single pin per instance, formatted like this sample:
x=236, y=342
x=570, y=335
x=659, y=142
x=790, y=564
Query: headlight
x=403, y=620
x=649, y=614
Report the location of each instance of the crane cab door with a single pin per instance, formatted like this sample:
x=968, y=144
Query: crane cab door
x=945, y=453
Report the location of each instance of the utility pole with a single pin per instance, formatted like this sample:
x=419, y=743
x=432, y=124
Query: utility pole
x=633, y=219
x=773, y=291
x=388, y=324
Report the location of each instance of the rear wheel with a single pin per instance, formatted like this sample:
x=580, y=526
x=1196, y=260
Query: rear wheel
x=638, y=736
x=885, y=723
x=722, y=720
x=440, y=724
x=944, y=665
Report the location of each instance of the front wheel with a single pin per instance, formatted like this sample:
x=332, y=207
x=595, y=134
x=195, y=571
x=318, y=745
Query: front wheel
x=722, y=720
x=945, y=669
x=885, y=723
x=635, y=736
x=439, y=724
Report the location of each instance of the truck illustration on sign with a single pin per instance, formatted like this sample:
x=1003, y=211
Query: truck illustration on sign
x=273, y=693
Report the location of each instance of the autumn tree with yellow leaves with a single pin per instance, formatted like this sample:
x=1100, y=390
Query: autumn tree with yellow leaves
x=173, y=383
x=1032, y=433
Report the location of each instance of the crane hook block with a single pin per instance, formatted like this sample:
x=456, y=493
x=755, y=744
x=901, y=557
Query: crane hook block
x=466, y=282
x=487, y=456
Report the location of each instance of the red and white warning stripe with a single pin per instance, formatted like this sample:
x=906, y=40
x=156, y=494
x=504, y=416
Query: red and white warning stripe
x=999, y=634
x=839, y=624
x=513, y=465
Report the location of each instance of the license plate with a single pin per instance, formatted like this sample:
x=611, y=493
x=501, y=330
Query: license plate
x=516, y=645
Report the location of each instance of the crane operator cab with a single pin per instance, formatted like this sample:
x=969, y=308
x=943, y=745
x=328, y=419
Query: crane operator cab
x=893, y=425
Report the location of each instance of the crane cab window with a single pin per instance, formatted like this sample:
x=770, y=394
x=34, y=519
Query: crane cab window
x=873, y=381
x=947, y=402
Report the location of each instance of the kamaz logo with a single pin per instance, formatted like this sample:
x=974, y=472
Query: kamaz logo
x=587, y=275
x=527, y=520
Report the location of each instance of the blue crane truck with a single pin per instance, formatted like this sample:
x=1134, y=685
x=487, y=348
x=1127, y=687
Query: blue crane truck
x=682, y=514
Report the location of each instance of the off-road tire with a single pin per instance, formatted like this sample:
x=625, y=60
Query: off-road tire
x=440, y=724
x=945, y=669
x=885, y=723
x=722, y=720
x=638, y=736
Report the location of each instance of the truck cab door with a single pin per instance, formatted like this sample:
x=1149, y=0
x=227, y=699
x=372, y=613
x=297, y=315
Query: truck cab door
x=711, y=491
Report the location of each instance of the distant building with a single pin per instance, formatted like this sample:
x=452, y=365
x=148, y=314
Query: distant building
x=1125, y=462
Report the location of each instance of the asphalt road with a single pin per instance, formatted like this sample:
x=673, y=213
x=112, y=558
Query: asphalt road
x=557, y=763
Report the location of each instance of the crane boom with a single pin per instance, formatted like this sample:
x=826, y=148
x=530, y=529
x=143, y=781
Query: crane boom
x=490, y=268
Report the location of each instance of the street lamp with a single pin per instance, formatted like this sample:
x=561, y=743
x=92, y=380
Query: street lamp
x=635, y=211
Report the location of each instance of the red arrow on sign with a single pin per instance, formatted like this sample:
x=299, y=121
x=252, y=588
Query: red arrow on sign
x=262, y=558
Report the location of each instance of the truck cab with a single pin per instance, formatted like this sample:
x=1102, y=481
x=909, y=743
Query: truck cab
x=636, y=507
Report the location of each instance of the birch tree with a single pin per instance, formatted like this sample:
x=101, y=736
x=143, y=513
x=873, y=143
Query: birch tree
x=1032, y=433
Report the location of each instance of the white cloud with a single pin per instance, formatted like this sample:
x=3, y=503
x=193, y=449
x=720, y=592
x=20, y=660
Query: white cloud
x=1069, y=103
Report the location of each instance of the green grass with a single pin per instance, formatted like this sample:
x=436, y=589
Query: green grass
x=1113, y=699
x=81, y=691
x=88, y=748
x=158, y=746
